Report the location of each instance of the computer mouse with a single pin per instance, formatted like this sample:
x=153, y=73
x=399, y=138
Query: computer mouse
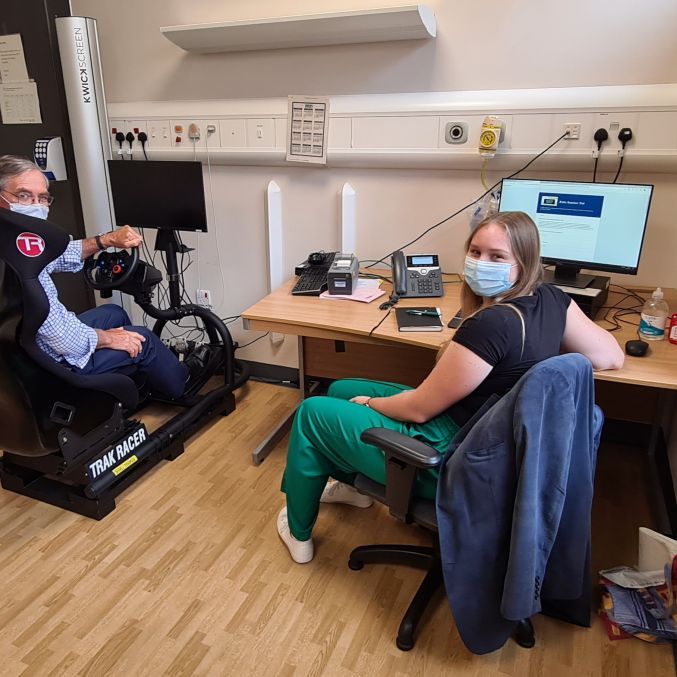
x=636, y=348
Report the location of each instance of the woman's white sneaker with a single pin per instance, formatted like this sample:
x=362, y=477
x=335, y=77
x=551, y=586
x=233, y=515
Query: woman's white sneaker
x=301, y=551
x=338, y=492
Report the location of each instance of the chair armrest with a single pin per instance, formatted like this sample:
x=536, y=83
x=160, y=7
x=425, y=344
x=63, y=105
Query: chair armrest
x=404, y=448
x=404, y=456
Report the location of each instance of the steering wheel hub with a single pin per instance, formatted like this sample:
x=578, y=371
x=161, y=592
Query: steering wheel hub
x=110, y=270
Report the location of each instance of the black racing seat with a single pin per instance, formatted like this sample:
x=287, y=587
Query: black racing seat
x=40, y=399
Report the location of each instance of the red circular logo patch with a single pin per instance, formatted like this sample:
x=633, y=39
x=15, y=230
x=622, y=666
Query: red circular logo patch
x=30, y=244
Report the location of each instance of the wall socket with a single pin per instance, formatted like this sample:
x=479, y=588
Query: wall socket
x=456, y=132
x=574, y=129
x=203, y=298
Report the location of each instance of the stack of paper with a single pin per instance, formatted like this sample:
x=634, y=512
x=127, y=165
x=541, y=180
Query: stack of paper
x=642, y=602
x=367, y=290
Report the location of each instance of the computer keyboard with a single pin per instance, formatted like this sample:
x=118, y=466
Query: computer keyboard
x=311, y=282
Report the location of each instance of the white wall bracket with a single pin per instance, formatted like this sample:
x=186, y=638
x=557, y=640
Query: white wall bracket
x=274, y=244
x=348, y=220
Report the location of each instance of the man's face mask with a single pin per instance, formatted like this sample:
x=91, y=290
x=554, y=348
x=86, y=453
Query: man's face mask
x=35, y=210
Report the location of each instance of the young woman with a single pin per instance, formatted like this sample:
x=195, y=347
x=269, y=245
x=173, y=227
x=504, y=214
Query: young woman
x=511, y=321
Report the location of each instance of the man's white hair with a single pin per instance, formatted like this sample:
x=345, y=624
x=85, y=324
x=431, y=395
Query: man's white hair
x=14, y=165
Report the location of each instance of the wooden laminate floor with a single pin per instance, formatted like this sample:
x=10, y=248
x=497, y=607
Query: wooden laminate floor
x=187, y=576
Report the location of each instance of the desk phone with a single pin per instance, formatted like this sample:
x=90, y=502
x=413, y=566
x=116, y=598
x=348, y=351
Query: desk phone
x=417, y=276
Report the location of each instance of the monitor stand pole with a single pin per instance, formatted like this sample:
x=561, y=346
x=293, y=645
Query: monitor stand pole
x=168, y=241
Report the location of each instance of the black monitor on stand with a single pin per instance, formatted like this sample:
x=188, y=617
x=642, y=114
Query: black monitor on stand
x=596, y=226
x=167, y=196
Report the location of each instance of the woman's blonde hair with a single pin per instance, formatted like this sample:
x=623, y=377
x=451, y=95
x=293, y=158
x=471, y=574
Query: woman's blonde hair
x=525, y=245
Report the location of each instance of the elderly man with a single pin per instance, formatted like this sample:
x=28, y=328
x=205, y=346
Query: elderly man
x=100, y=340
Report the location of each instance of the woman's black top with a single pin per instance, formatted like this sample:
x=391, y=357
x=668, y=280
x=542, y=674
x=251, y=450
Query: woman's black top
x=495, y=335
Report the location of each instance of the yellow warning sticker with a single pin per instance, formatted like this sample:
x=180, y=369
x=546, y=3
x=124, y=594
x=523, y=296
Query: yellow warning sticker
x=123, y=466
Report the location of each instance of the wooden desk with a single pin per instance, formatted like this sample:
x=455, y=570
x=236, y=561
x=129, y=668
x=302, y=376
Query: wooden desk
x=340, y=338
x=348, y=321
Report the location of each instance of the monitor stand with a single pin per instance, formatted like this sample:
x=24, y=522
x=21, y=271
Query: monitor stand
x=568, y=276
x=169, y=242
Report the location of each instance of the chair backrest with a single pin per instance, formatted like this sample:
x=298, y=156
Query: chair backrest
x=38, y=396
x=514, y=501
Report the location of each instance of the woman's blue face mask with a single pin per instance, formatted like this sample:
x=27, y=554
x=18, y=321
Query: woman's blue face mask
x=488, y=278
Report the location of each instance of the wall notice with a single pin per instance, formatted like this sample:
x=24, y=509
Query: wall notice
x=307, y=129
x=19, y=104
x=12, y=59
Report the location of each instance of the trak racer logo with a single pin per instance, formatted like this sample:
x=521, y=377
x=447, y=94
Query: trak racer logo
x=30, y=244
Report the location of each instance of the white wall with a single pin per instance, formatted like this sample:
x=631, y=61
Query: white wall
x=506, y=45
x=514, y=44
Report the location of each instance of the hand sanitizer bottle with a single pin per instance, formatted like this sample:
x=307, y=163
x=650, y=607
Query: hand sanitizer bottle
x=654, y=314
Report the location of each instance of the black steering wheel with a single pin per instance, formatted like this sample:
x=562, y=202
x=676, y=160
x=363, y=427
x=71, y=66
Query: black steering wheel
x=110, y=270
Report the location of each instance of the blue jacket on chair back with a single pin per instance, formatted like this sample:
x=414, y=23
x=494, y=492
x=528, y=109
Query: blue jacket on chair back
x=513, y=505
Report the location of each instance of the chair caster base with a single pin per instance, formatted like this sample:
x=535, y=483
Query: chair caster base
x=524, y=634
x=404, y=644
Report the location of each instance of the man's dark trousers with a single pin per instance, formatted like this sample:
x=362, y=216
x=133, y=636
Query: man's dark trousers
x=166, y=375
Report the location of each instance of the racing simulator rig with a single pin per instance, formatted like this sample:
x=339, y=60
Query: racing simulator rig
x=70, y=439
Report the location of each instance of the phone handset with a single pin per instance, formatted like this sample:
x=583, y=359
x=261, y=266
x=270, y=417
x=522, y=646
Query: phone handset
x=399, y=268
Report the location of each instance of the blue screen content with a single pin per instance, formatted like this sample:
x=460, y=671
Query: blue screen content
x=592, y=225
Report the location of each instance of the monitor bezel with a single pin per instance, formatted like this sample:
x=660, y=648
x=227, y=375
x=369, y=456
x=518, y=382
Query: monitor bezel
x=592, y=265
x=154, y=163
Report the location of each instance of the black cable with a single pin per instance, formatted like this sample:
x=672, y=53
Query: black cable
x=120, y=138
x=631, y=292
x=624, y=136
x=601, y=135
x=143, y=138
x=620, y=166
x=619, y=311
x=130, y=140
x=456, y=213
x=273, y=381
x=375, y=327
x=254, y=341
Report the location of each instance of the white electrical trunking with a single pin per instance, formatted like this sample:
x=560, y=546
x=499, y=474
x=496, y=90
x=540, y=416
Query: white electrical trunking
x=426, y=130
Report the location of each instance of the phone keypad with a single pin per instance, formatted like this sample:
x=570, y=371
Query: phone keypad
x=425, y=285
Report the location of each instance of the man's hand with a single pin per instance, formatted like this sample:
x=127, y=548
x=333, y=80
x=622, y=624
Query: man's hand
x=124, y=238
x=120, y=339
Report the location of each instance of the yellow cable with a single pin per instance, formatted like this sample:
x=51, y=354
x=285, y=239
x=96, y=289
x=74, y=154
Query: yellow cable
x=482, y=177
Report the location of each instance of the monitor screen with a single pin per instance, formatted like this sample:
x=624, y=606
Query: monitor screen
x=156, y=194
x=599, y=226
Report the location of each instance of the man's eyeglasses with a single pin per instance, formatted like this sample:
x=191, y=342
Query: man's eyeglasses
x=24, y=198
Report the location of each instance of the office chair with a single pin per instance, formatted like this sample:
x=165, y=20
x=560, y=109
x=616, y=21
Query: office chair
x=404, y=456
x=558, y=383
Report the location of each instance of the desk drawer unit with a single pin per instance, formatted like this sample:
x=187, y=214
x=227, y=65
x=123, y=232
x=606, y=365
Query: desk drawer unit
x=324, y=358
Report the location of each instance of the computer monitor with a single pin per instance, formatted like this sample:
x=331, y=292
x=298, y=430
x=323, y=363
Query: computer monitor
x=598, y=226
x=164, y=195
